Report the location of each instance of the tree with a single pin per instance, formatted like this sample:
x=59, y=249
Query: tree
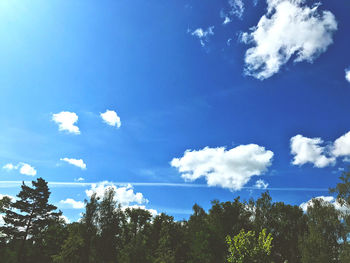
x=89, y=222
x=72, y=250
x=136, y=229
x=343, y=198
x=246, y=247
x=321, y=242
x=198, y=237
x=29, y=215
x=226, y=218
x=109, y=227
x=5, y=203
x=343, y=189
x=287, y=224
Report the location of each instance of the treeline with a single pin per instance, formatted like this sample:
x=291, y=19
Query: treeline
x=35, y=232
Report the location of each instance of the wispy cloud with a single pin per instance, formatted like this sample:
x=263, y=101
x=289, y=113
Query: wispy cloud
x=76, y=162
x=261, y=184
x=23, y=168
x=80, y=179
x=15, y=184
x=203, y=35
x=235, y=9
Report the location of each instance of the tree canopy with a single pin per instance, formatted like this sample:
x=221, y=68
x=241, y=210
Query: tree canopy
x=233, y=231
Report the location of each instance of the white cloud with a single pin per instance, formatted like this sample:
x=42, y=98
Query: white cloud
x=27, y=169
x=66, y=121
x=226, y=21
x=124, y=195
x=237, y=8
x=328, y=199
x=65, y=219
x=76, y=162
x=289, y=28
x=9, y=196
x=261, y=184
x=80, y=179
x=308, y=150
x=341, y=146
x=75, y=204
x=111, y=118
x=9, y=167
x=347, y=74
x=23, y=168
x=203, y=35
x=226, y=168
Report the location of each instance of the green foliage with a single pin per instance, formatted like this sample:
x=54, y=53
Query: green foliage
x=5, y=203
x=73, y=247
x=29, y=216
x=246, y=247
x=321, y=242
x=343, y=189
x=109, y=233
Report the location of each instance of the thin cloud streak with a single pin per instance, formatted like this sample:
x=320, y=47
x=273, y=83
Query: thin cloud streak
x=8, y=184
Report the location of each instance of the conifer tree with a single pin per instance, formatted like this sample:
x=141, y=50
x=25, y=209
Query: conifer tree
x=28, y=216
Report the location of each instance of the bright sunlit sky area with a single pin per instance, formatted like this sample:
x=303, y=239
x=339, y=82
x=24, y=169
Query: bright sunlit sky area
x=174, y=103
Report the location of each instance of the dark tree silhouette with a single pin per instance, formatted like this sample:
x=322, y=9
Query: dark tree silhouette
x=29, y=216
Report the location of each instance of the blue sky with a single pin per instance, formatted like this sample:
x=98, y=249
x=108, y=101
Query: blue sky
x=180, y=80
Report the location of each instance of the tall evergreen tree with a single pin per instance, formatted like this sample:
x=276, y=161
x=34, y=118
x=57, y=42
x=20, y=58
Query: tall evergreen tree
x=28, y=216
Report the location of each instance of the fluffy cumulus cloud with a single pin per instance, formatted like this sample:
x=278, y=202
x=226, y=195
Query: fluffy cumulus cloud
x=111, y=118
x=72, y=203
x=347, y=74
x=23, y=168
x=76, y=162
x=230, y=169
x=288, y=29
x=203, y=35
x=27, y=169
x=261, y=184
x=341, y=146
x=327, y=199
x=309, y=150
x=66, y=121
x=124, y=195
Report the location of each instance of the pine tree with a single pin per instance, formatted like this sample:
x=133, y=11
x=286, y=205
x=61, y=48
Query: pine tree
x=29, y=215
